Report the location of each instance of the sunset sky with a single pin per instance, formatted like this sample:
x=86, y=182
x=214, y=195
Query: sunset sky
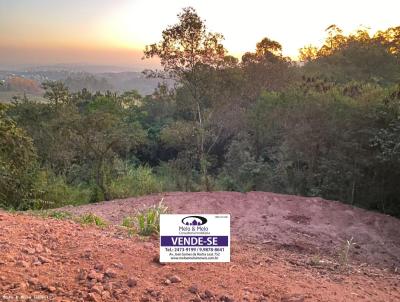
x=114, y=32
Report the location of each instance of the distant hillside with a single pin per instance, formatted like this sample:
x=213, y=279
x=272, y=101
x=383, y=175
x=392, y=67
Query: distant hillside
x=93, y=81
x=14, y=86
x=113, y=81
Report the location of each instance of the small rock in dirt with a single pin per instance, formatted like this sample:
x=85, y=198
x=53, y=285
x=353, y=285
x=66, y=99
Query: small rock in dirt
x=118, y=265
x=6, y=287
x=293, y=298
x=117, y=293
x=98, y=289
x=156, y=259
x=149, y=290
x=132, y=282
x=51, y=289
x=110, y=273
x=174, y=279
x=152, y=292
x=155, y=293
x=95, y=275
x=22, y=285
x=196, y=299
x=91, y=283
x=99, y=267
x=87, y=254
x=28, y=250
x=226, y=298
x=124, y=291
x=22, y=263
x=33, y=281
x=44, y=259
x=167, y=282
x=82, y=274
x=193, y=289
x=106, y=296
x=208, y=294
x=109, y=286
x=94, y=297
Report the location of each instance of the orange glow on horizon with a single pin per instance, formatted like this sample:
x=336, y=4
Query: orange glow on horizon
x=122, y=28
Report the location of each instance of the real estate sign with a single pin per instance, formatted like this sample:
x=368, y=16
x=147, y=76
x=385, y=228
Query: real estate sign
x=194, y=238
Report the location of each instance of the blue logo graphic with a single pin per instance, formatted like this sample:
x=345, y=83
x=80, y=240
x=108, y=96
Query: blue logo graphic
x=194, y=220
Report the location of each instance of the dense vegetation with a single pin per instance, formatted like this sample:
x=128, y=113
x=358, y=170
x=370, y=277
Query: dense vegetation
x=329, y=126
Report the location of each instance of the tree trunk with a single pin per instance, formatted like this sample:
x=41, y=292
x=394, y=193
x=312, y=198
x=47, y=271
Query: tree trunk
x=202, y=155
x=353, y=192
x=100, y=180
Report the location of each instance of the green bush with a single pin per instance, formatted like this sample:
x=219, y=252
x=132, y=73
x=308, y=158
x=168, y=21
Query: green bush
x=18, y=165
x=241, y=171
x=177, y=175
x=53, y=191
x=96, y=194
x=136, y=182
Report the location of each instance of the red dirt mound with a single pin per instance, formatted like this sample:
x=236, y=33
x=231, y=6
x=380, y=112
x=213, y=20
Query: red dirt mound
x=54, y=260
x=300, y=224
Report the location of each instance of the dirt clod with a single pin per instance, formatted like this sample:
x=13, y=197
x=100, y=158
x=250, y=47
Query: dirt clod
x=226, y=298
x=82, y=274
x=110, y=273
x=174, y=279
x=94, y=297
x=132, y=282
x=22, y=264
x=95, y=275
x=193, y=289
x=167, y=282
x=44, y=259
x=208, y=294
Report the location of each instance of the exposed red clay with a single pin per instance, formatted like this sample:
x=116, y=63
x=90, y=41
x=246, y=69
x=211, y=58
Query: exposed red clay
x=284, y=248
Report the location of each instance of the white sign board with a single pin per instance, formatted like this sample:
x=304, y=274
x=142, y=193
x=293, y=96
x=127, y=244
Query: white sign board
x=195, y=238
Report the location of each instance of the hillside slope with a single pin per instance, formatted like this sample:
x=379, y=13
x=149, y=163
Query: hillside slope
x=300, y=224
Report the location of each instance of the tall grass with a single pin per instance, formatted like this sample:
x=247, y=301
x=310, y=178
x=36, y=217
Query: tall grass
x=147, y=221
x=93, y=219
x=344, y=253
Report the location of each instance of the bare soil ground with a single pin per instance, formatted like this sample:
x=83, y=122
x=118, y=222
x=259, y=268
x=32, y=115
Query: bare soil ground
x=283, y=249
x=299, y=224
